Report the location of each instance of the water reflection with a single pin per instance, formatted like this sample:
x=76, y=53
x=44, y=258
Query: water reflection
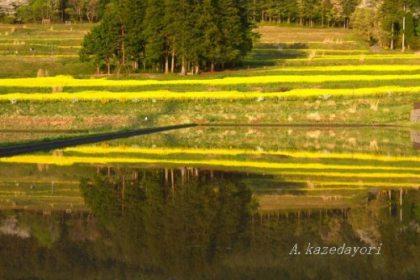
x=164, y=207
x=204, y=224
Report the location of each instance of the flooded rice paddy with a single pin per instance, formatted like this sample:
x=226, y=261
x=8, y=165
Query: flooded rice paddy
x=216, y=203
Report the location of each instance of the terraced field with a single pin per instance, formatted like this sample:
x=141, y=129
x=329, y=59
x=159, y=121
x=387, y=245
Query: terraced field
x=330, y=76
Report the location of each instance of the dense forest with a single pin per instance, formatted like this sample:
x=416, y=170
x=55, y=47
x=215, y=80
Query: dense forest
x=169, y=35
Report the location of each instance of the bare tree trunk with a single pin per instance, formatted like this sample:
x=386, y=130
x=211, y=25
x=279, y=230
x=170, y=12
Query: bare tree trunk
x=172, y=179
x=392, y=39
x=122, y=45
x=212, y=66
x=197, y=69
x=166, y=63
x=183, y=70
x=403, y=35
x=254, y=12
x=109, y=67
x=173, y=61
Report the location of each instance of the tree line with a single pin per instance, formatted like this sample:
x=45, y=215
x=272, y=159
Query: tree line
x=170, y=35
x=332, y=13
x=390, y=23
x=30, y=11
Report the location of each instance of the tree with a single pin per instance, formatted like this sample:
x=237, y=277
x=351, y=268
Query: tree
x=235, y=32
x=153, y=33
x=78, y=8
x=134, y=39
x=194, y=33
x=209, y=23
x=91, y=10
x=102, y=43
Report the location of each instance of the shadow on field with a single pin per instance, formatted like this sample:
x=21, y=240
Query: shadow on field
x=273, y=54
x=71, y=142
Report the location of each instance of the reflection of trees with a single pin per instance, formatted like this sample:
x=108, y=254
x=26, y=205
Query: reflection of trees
x=399, y=232
x=365, y=220
x=196, y=224
x=183, y=231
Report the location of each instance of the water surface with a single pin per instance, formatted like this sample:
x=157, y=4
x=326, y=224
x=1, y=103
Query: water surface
x=215, y=203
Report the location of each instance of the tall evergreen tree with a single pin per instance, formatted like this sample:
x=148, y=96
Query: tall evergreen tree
x=194, y=33
x=153, y=32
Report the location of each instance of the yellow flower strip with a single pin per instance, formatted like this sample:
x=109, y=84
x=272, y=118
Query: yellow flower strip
x=39, y=182
x=316, y=42
x=52, y=39
x=47, y=159
x=167, y=151
x=68, y=81
x=164, y=94
x=34, y=192
x=353, y=57
x=160, y=94
x=314, y=50
x=328, y=189
x=41, y=55
x=47, y=196
x=41, y=45
x=340, y=68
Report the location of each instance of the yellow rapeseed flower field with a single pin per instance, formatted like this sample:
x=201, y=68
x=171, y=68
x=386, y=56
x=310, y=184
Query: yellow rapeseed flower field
x=357, y=57
x=68, y=81
x=164, y=94
x=340, y=68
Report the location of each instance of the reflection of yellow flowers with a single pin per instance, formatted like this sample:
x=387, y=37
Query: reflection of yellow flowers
x=103, y=149
x=47, y=159
x=68, y=81
x=349, y=174
x=347, y=183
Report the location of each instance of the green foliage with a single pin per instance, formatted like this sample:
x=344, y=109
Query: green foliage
x=192, y=34
x=25, y=14
x=103, y=43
